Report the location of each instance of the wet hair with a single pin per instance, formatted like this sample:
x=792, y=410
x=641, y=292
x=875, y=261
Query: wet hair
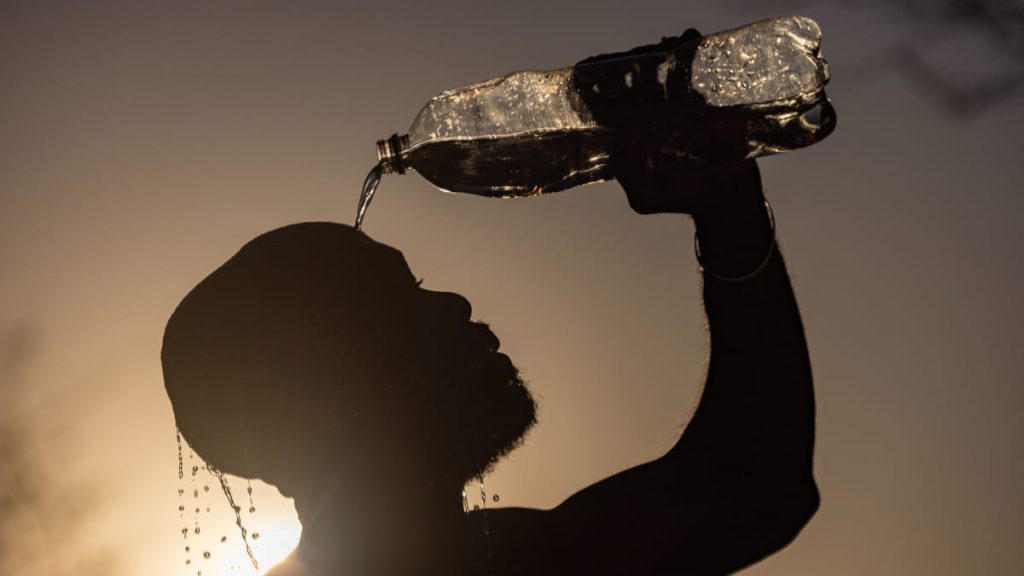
x=314, y=337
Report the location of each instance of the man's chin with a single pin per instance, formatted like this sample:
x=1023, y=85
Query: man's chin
x=504, y=379
x=497, y=409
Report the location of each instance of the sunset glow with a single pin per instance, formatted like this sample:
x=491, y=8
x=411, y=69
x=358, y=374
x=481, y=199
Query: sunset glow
x=211, y=537
x=142, y=144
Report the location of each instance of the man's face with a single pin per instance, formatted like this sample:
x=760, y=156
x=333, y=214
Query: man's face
x=449, y=380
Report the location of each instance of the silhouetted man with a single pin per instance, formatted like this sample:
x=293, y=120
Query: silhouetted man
x=313, y=360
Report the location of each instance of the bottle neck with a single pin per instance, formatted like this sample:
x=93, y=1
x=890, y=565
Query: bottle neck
x=391, y=154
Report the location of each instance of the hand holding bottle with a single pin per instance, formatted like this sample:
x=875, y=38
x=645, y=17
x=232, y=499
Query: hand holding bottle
x=658, y=179
x=734, y=227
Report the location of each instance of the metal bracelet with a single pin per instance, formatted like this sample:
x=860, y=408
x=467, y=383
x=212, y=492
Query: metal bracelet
x=749, y=275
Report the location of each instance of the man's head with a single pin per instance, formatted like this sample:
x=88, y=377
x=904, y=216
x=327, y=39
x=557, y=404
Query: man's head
x=314, y=355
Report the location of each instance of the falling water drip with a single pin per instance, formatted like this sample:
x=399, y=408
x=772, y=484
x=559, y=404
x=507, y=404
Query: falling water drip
x=369, y=189
x=248, y=488
x=181, y=479
x=195, y=493
x=237, y=509
x=487, y=528
x=181, y=463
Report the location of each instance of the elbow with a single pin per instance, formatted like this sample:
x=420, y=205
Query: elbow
x=793, y=512
x=778, y=520
x=805, y=507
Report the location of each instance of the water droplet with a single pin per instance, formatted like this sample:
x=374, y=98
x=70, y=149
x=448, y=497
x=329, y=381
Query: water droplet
x=252, y=509
x=197, y=530
x=195, y=493
x=188, y=548
x=194, y=470
x=476, y=506
x=255, y=535
x=184, y=532
x=188, y=561
x=206, y=488
x=496, y=498
x=206, y=554
x=181, y=508
x=197, y=510
x=181, y=491
x=223, y=538
x=207, y=508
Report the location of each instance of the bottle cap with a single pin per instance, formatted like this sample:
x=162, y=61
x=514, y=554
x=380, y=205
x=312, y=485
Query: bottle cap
x=390, y=153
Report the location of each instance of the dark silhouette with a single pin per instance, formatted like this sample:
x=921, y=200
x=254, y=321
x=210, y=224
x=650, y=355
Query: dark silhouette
x=313, y=360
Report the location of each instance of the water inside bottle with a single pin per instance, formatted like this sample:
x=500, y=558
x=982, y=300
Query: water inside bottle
x=522, y=165
x=506, y=167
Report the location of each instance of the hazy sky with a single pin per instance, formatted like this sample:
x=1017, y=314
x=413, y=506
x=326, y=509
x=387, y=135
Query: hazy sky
x=141, y=144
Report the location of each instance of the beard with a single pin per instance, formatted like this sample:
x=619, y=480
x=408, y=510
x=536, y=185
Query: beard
x=464, y=406
x=494, y=410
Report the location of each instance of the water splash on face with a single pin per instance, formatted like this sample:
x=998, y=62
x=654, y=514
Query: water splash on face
x=366, y=196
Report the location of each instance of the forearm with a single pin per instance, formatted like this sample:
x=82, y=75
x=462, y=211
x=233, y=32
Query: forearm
x=755, y=421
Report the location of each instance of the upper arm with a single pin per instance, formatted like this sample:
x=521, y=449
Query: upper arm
x=652, y=519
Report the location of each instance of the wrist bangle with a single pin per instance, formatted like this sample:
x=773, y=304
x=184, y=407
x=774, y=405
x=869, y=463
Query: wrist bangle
x=738, y=279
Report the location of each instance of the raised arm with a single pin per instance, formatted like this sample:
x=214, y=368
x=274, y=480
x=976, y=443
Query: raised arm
x=753, y=432
x=738, y=485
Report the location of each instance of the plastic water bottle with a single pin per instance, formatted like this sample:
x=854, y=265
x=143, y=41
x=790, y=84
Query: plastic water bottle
x=740, y=93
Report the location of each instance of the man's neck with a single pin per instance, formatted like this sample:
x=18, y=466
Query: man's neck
x=343, y=533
